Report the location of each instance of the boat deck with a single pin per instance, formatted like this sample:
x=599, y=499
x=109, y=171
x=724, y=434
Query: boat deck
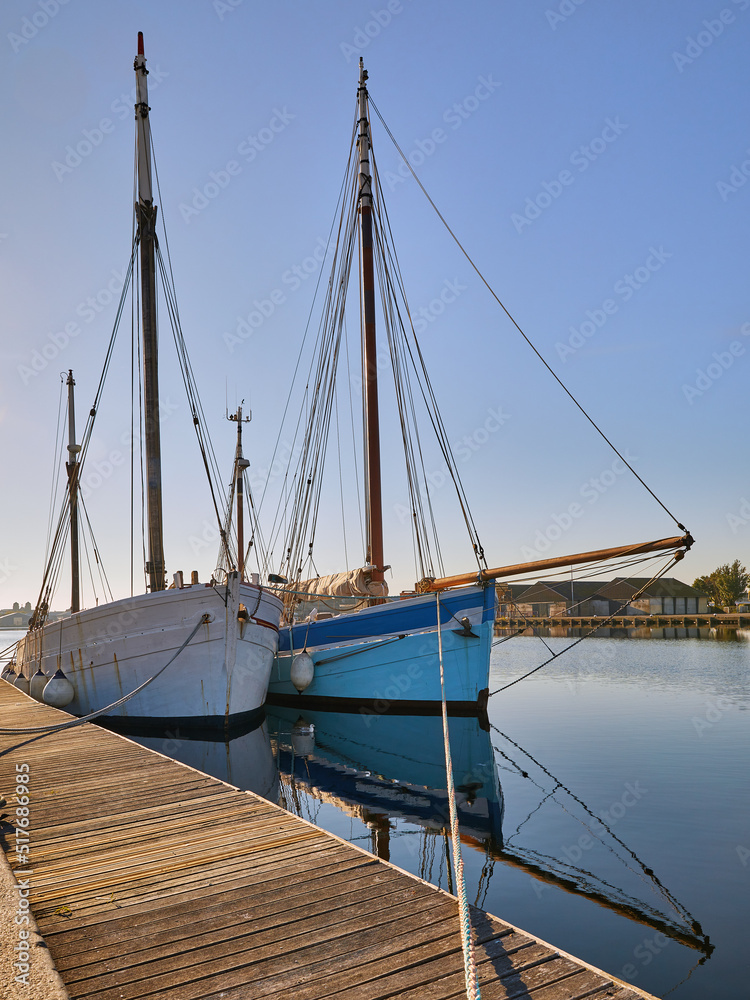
x=151, y=879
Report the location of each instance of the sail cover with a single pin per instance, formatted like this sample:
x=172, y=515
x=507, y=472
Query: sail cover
x=353, y=583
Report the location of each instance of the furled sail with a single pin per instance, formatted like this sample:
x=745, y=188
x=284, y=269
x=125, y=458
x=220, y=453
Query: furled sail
x=352, y=583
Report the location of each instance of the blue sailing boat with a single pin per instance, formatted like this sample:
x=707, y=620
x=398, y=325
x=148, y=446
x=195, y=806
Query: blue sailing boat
x=346, y=644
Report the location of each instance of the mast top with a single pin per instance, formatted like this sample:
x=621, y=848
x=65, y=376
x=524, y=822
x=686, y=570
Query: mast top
x=362, y=72
x=140, y=43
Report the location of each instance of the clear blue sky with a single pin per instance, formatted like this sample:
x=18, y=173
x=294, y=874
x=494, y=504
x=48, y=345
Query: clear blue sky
x=589, y=155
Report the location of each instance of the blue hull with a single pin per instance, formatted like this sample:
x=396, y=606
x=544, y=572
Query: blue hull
x=386, y=656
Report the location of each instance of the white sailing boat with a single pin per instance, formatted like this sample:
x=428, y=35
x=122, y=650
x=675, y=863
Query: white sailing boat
x=221, y=634
x=346, y=645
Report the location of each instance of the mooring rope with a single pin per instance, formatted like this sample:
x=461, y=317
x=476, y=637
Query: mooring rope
x=115, y=704
x=467, y=943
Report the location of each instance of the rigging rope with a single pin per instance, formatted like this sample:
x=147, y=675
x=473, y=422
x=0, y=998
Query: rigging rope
x=467, y=942
x=633, y=597
x=517, y=326
x=682, y=911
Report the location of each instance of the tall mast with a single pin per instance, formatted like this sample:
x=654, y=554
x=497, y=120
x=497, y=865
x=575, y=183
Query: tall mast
x=240, y=464
x=369, y=345
x=146, y=216
x=72, y=466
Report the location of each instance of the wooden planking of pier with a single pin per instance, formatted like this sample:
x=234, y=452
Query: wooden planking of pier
x=624, y=621
x=151, y=879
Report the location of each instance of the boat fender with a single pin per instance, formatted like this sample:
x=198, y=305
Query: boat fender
x=8, y=673
x=37, y=684
x=58, y=691
x=22, y=683
x=302, y=671
x=303, y=737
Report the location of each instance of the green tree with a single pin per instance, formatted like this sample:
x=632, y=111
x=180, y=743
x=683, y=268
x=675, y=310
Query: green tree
x=725, y=585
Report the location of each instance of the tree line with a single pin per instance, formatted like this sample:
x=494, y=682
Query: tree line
x=725, y=585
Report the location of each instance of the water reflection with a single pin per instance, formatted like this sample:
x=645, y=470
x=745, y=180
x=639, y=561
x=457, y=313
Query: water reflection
x=386, y=768
x=245, y=760
x=386, y=774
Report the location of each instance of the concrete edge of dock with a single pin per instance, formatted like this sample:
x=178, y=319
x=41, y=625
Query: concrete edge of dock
x=44, y=980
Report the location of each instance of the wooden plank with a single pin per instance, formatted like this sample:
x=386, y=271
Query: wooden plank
x=234, y=961
x=265, y=928
x=376, y=976
x=231, y=910
x=143, y=898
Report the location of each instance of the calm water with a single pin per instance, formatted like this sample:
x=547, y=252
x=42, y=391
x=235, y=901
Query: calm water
x=652, y=737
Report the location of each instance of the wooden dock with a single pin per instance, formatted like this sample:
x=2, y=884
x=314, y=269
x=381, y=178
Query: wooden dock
x=151, y=879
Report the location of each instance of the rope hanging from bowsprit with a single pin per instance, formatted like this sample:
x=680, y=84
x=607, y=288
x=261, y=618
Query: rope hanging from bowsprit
x=595, y=628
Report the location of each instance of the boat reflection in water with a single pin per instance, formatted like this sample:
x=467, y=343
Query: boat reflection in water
x=387, y=773
x=243, y=758
x=383, y=767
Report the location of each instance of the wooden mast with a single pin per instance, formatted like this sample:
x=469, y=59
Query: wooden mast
x=369, y=346
x=240, y=464
x=465, y=579
x=146, y=216
x=72, y=466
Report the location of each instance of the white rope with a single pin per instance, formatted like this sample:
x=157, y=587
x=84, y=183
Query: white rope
x=115, y=704
x=467, y=943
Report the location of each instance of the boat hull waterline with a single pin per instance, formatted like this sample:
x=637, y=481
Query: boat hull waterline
x=220, y=678
x=385, y=658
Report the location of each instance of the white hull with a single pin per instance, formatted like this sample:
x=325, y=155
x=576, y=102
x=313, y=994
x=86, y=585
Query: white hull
x=105, y=652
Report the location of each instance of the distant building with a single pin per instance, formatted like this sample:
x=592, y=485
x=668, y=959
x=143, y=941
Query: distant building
x=597, y=598
x=18, y=617
x=14, y=619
